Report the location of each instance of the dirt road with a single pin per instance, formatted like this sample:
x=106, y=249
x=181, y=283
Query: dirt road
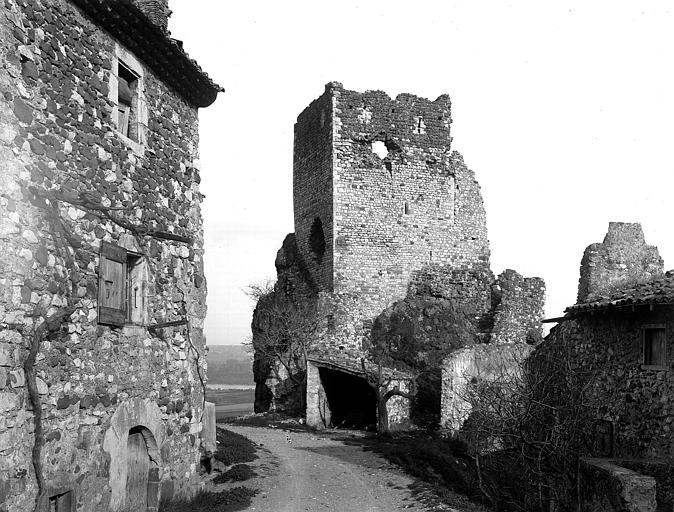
x=302, y=472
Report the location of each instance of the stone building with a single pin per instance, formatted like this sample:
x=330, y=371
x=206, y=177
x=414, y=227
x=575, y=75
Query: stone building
x=102, y=290
x=384, y=210
x=619, y=338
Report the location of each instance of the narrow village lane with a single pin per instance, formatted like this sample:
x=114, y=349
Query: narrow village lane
x=310, y=473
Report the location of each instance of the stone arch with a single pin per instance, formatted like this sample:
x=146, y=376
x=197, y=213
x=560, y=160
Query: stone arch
x=135, y=426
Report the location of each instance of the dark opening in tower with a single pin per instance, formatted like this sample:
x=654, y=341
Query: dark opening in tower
x=317, y=240
x=351, y=399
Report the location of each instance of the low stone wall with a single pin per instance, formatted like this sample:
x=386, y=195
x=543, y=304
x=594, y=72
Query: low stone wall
x=606, y=487
x=479, y=362
x=663, y=472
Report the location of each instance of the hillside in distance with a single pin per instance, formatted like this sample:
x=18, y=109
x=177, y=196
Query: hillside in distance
x=229, y=364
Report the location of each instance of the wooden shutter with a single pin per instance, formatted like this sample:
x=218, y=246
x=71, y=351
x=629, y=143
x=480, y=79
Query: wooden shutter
x=124, y=116
x=112, y=285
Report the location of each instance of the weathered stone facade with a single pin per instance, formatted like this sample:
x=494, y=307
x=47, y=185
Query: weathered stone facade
x=385, y=211
x=620, y=340
x=101, y=246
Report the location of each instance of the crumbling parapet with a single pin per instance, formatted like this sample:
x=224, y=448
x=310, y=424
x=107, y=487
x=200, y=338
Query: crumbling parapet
x=519, y=314
x=622, y=259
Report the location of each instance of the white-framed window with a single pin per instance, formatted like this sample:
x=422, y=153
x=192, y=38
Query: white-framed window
x=127, y=94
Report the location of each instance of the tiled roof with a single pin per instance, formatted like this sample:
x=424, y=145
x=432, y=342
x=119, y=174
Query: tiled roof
x=658, y=291
x=164, y=55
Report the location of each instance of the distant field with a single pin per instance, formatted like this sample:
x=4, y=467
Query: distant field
x=231, y=402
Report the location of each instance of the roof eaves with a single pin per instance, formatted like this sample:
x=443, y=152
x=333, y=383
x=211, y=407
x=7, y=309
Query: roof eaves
x=154, y=47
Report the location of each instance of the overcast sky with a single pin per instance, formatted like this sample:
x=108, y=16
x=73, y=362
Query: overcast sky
x=564, y=110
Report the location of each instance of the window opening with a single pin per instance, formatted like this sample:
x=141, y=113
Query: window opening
x=407, y=208
x=61, y=502
x=127, y=104
x=122, y=282
x=331, y=322
x=655, y=347
x=379, y=148
x=317, y=240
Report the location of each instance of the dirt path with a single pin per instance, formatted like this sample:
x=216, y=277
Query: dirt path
x=318, y=474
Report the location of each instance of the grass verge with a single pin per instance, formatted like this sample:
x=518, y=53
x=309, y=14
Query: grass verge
x=230, y=500
x=238, y=473
x=233, y=448
x=441, y=463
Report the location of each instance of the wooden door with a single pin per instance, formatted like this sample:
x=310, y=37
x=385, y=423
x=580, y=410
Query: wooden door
x=137, y=473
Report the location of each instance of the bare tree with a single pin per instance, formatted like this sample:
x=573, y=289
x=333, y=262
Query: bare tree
x=284, y=329
x=384, y=391
x=532, y=425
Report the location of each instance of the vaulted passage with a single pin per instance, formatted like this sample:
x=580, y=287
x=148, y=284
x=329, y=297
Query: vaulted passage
x=351, y=400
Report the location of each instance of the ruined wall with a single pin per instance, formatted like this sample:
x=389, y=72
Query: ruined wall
x=500, y=362
x=621, y=260
x=635, y=399
x=519, y=314
x=69, y=181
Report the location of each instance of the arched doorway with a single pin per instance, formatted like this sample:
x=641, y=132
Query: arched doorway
x=139, y=465
x=134, y=442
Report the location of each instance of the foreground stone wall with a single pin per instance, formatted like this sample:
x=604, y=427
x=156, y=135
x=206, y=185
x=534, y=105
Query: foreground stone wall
x=606, y=349
x=621, y=260
x=70, y=181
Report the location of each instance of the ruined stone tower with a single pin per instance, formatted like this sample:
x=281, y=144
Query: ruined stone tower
x=365, y=222
x=386, y=215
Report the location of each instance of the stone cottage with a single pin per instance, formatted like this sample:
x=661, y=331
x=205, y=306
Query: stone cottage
x=619, y=338
x=102, y=290
x=384, y=211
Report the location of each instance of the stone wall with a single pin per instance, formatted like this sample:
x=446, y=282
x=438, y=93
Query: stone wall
x=71, y=181
x=622, y=259
x=520, y=308
x=635, y=399
x=502, y=362
x=606, y=487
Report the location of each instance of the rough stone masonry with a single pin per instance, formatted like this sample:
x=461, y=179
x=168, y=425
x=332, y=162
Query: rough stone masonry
x=385, y=210
x=102, y=290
